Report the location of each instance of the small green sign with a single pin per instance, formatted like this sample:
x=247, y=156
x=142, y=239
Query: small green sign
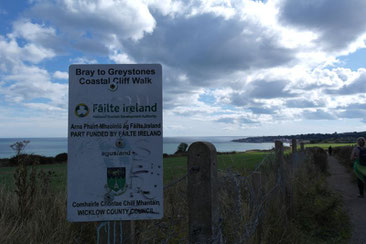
x=116, y=178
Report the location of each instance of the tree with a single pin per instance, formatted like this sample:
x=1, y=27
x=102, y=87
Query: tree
x=19, y=146
x=182, y=147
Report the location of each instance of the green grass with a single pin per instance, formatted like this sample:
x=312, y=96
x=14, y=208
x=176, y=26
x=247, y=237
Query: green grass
x=58, y=180
x=6, y=176
x=174, y=168
x=326, y=145
x=241, y=161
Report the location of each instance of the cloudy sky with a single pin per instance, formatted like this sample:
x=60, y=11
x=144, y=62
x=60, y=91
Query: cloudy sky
x=238, y=67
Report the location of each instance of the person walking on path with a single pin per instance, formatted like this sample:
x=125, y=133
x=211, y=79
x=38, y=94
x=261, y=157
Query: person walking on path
x=359, y=155
x=330, y=150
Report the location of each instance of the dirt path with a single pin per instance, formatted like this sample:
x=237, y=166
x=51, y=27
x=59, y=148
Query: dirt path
x=341, y=181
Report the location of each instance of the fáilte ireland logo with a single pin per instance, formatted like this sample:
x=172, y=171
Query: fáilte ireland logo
x=81, y=110
x=116, y=179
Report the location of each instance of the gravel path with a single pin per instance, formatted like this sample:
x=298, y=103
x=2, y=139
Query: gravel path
x=340, y=180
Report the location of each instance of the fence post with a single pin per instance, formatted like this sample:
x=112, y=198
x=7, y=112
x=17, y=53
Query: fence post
x=285, y=176
x=203, y=209
x=291, y=165
x=302, y=146
x=257, y=186
x=257, y=183
x=294, y=146
x=279, y=153
x=280, y=160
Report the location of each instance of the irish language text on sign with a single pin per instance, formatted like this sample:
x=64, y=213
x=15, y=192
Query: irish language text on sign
x=115, y=167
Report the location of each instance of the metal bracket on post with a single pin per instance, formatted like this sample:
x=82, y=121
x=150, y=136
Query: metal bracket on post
x=115, y=232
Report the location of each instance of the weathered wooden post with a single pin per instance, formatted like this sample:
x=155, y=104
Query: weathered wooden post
x=302, y=146
x=285, y=175
x=279, y=153
x=290, y=167
x=257, y=183
x=292, y=163
x=294, y=146
x=258, y=187
x=203, y=210
x=280, y=160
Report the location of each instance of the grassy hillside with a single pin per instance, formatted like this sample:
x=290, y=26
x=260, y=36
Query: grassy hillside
x=327, y=145
x=174, y=167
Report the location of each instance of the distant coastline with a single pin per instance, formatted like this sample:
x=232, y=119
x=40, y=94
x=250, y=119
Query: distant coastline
x=347, y=137
x=50, y=147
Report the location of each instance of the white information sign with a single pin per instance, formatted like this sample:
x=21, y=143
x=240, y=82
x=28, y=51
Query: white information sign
x=115, y=149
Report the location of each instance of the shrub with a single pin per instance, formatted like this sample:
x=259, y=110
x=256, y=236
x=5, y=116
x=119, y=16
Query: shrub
x=25, y=188
x=319, y=158
x=320, y=215
x=4, y=162
x=182, y=148
x=343, y=155
x=29, y=159
x=62, y=157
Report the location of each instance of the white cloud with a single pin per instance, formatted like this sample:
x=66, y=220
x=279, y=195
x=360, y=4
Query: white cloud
x=9, y=54
x=61, y=75
x=35, y=54
x=31, y=82
x=121, y=58
x=338, y=23
x=229, y=62
x=13, y=54
x=83, y=60
x=352, y=87
x=32, y=32
x=129, y=19
x=23, y=81
x=319, y=115
x=44, y=107
x=166, y=7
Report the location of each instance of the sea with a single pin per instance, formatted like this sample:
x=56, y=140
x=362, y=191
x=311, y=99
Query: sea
x=50, y=147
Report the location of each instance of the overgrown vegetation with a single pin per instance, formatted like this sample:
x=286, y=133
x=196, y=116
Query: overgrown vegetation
x=29, y=159
x=45, y=222
x=320, y=216
x=32, y=212
x=313, y=213
x=343, y=154
x=28, y=182
x=316, y=214
x=319, y=158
